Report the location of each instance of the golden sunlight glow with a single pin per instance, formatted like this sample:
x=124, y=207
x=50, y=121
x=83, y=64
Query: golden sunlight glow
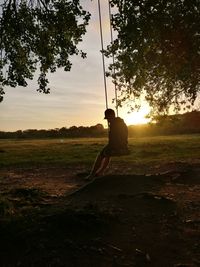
x=137, y=117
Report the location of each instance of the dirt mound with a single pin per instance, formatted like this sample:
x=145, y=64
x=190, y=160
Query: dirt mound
x=150, y=216
x=114, y=221
x=110, y=185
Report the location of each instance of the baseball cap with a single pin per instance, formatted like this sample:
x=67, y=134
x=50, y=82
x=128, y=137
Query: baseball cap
x=109, y=113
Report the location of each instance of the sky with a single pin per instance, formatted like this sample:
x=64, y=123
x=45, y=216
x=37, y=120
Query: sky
x=77, y=97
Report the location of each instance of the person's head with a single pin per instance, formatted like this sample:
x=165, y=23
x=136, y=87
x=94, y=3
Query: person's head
x=109, y=114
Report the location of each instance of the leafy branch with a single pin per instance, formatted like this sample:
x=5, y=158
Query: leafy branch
x=156, y=52
x=39, y=34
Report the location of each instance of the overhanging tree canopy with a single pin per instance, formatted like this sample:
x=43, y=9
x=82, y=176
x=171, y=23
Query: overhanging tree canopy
x=157, y=51
x=38, y=34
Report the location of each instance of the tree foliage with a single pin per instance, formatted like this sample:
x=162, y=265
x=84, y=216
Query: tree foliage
x=38, y=34
x=157, y=52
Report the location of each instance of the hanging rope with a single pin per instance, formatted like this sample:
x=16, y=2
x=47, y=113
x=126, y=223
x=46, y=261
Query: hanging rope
x=103, y=60
x=113, y=58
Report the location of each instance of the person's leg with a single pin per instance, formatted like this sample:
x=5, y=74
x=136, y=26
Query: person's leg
x=97, y=164
x=104, y=165
x=100, y=164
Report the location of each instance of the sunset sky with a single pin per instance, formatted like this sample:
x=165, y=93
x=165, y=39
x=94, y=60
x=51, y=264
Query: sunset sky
x=76, y=98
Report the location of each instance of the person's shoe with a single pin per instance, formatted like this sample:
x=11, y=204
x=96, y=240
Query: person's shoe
x=90, y=177
x=99, y=175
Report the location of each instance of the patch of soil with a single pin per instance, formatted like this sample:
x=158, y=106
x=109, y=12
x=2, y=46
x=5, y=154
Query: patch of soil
x=54, y=181
x=125, y=218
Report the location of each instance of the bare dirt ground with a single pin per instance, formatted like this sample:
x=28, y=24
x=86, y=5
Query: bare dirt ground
x=133, y=216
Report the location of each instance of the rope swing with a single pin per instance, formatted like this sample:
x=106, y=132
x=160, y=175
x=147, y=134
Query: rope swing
x=113, y=57
x=103, y=58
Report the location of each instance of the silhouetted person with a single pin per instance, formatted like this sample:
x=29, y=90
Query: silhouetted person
x=117, y=144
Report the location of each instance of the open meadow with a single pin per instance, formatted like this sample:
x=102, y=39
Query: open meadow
x=65, y=152
x=144, y=212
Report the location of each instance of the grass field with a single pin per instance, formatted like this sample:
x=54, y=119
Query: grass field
x=145, y=150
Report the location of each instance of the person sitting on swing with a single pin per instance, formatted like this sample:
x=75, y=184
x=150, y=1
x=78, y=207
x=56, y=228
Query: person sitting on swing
x=117, y=144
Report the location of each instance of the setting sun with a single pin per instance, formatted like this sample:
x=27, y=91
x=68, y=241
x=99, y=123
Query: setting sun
x=137, y=117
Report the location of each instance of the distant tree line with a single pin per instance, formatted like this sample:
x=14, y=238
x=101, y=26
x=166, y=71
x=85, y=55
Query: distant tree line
x=71, y=132
x=187, y=123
